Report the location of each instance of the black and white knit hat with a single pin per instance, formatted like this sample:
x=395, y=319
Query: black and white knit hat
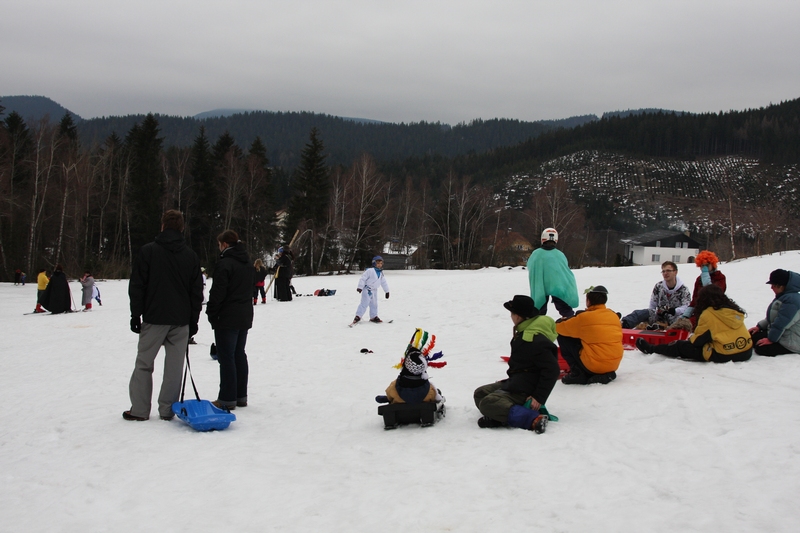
x=415, y=364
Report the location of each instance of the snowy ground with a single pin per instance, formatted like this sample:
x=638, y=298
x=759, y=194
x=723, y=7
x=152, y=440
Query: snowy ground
x=669, y=446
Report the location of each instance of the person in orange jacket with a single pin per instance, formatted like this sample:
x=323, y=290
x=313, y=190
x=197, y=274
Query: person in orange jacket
x=591, y=341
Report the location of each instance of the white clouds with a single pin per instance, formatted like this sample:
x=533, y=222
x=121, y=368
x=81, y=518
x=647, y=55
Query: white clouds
x=449, y=61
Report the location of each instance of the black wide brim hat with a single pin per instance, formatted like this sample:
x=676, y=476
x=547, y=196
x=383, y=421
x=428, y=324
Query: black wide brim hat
x=522, y=305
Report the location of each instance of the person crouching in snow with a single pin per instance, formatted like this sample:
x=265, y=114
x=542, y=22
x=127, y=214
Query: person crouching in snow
x=412, y=385
x=368, y=287
x=532, y=372
x=779, y=332
x=591, y=341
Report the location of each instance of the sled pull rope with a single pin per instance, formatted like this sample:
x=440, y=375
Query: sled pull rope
x=189, y=371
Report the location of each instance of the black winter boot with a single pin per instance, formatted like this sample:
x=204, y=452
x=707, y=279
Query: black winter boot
x=644, y=346
x=486, y=422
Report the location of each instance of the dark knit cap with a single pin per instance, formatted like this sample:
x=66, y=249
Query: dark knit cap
x=779, y=277
x=522, y=305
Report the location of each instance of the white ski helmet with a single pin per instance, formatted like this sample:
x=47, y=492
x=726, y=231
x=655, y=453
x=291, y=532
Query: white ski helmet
x=550, y=234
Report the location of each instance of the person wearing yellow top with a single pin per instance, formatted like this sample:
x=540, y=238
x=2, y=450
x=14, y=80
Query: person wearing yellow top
x=41, y=284
x=591, y=341
x=720, y=336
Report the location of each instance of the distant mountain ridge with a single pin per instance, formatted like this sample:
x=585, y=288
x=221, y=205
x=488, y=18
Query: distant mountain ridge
x=285, y=133
x=35, y=108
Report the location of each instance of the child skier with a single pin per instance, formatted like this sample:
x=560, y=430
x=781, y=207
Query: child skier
x=368, y=287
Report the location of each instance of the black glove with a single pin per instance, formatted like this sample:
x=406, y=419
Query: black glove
x=671, y=311
x=387, y=295
x=193, y=330
x=136, y=324
x=358, y=290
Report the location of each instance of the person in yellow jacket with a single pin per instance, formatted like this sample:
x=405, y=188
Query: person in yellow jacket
x=591, y=341
x=41, y=284
x=720, y=336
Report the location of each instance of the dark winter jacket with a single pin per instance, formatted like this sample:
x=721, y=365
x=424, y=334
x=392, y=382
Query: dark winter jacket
x=783, y=316
x=57, y=297
x=286, y=270
x=259, y=276
x=230, y=301
x=166, y=287
x=533, y=364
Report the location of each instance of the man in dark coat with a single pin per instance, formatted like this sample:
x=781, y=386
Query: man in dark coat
x=57, y=297
x=166, y=294
x=532, y=372
x=230, y=313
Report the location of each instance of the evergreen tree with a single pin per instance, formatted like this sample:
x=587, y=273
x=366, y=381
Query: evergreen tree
x=308, y=207
x=146, y=185
x=67, y=128
x=205, y=199
x=260, y=227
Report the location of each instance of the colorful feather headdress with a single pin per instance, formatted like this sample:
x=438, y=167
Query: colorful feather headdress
x=423, y=342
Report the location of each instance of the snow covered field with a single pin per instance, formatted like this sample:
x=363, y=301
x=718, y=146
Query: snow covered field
x=669, y=446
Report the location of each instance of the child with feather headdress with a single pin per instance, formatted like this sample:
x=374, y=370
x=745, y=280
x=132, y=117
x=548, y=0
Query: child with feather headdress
x=413, y=385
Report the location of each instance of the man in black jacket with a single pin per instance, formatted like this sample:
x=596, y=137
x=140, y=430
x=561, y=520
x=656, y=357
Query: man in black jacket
x=230, y=313
x=532, y=372
x=166, y=294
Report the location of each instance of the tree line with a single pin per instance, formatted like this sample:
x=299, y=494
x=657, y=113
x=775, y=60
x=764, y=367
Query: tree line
x=92, y=205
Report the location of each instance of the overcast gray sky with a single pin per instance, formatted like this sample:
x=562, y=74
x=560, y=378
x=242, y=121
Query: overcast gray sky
x=403, y=61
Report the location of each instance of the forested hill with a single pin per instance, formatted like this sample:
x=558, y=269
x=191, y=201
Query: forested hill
x=284, y=134
x=770, y=134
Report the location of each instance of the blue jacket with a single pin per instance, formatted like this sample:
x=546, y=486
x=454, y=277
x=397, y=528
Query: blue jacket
x=783, y=316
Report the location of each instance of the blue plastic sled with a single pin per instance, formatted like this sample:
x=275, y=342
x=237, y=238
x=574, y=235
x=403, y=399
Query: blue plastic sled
x=202, y=415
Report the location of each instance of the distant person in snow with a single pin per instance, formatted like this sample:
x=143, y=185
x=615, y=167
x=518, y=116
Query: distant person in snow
x=368, y=288
x=87, y=290
x=668, y=301
x=549, y=276
x=258, y=281
x=283, y=274
x=57, y=297
x=779, y=332
x=41, y=284
x=532, y=372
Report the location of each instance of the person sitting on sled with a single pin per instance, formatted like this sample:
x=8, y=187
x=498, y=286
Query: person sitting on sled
x=720, y=336
x=707, y=262
x=668, y=301
x=532, y=372
x=368, y=287
x=591, y=341
x=779, y=332
x=412, y=385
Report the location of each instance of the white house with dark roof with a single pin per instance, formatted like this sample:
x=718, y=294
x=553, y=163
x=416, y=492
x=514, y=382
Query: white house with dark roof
x=655, y=247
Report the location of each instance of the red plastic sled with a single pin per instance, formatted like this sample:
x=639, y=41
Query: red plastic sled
x=629, y=336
